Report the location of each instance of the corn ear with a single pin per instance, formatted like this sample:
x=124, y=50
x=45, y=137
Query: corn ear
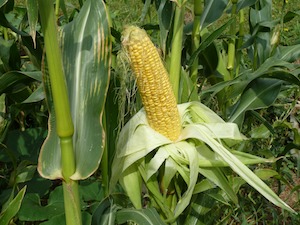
x=153, y=83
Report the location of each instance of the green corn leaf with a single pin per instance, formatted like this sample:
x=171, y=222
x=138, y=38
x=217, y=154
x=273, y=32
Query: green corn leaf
x=32, y=12
x=12, y=78
x=240, y=83
x=262, y=93
x=157, y=160
x=144, y=216
x=3, y=2
x=203, y=185
x=88, y=82
x=289, y=53
x=169, y=173
x=194, y=131
x=192, y=157
x=290, y=15
x=213, y=173
x=212, y=11
x=244, y=3
x=209, y=40
x=86, y=48
x=165, y=13
x=36, y=96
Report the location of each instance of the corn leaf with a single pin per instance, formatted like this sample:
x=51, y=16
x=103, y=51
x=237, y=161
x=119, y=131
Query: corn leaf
x=203, y=185
x=192, y=156
x=212, y=11
x=3, y=2
x=239, y=83
x=32, y=12
x=86, y=49
x=155, y=163
x=132, y=144
x=193, y=131
x=213, y=173
x=262, y=93
x=131, y=182
x=169, y=173
x=143, y=216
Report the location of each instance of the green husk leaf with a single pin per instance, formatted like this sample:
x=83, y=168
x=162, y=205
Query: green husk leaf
x=194, y=131
x=131, y=181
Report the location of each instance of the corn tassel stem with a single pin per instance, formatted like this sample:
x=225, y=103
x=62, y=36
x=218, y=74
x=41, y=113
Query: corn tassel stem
x=175, y=66
x=231, y=45
x=64, y=122
x=196, y=38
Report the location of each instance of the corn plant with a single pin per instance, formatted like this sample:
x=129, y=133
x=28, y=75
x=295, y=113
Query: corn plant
x=175, y=160
x=169, y=159
x=58, y=157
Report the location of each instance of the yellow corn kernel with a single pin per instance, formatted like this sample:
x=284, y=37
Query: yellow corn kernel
x=153, y=83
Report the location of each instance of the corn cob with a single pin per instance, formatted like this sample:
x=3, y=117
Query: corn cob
x=153, y=83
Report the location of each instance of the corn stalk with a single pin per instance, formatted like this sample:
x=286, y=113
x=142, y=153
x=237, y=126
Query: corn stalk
x=64, y=124
x=196, y=38
x=175, y=66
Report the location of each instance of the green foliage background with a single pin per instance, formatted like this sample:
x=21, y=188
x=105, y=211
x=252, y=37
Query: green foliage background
x=30, y=199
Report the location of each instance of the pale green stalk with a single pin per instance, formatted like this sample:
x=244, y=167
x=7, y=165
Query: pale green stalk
x=57, y=7
x=255, y=51
x=240, y=40
x=64, y=122
x=176, y=48
x=196, y=38
x=61, y=4
x=5, y=33
x=104, y=162
x=231, y=45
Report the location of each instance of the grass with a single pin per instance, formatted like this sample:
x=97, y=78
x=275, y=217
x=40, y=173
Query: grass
x=291, y=30
x=125, y=12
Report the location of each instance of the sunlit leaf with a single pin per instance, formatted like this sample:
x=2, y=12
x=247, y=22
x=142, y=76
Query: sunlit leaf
x=262, y=93
x=192, y=157
x=86, y=49
x=131, y=181
x=236, y=165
